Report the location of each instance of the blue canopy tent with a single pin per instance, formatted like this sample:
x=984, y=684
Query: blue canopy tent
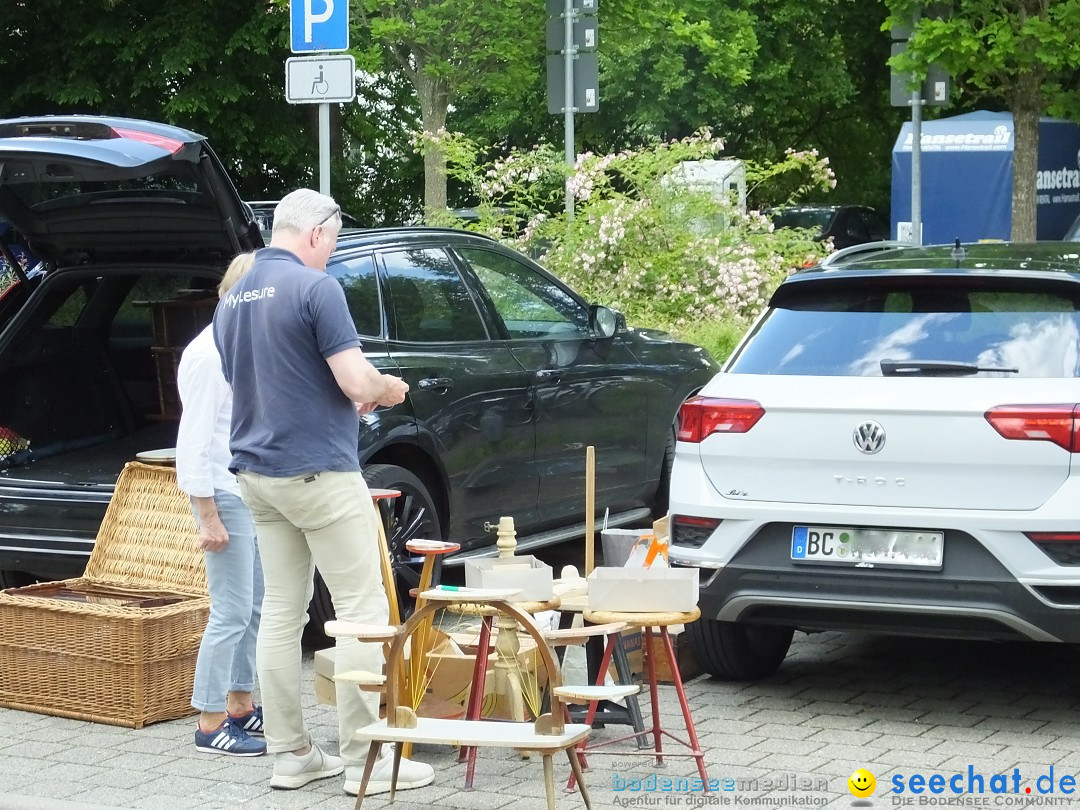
x=967, y=163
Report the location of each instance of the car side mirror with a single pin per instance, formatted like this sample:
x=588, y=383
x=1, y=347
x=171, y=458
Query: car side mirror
x=604, y=322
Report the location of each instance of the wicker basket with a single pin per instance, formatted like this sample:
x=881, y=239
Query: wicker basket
x=102, y=661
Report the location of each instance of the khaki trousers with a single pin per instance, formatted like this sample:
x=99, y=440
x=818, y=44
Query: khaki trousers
x=325, y=520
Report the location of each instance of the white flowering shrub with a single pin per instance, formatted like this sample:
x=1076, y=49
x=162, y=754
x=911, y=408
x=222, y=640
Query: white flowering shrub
x=665, y=255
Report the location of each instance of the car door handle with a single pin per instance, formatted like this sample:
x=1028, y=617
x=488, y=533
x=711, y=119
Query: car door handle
x=549, y=374
x=435, y=383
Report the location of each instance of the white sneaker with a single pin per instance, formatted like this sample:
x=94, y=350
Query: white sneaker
x=411, y=774
x=292, y=771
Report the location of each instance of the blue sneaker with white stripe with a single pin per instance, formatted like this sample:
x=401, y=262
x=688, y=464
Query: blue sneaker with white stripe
x=252, y=722
x=228, y=738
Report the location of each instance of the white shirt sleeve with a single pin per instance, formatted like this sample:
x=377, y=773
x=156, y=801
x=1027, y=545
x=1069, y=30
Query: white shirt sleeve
x=203, y=392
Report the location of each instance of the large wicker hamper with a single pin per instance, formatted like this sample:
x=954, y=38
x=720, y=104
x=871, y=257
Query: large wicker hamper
x=103, y=661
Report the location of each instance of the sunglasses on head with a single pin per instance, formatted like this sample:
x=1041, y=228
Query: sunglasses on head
x=334, y=213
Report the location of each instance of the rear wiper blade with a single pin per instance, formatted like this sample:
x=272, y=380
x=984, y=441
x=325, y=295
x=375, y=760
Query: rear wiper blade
x=936, y=368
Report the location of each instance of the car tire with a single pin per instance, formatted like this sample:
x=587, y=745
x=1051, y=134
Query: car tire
x=663, y=490
x=738, y=652
x=412, y=514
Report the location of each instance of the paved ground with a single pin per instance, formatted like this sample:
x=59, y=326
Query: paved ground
x=841, y=702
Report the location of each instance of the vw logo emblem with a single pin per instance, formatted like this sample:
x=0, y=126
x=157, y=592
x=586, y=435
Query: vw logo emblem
x=869, y=437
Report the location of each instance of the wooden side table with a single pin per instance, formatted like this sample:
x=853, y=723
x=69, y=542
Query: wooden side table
x=647, y=622
x=547, y=735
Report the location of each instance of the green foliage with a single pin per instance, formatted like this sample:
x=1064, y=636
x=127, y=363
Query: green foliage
x=215, y=68
x=1021, y=51
x=719, y=338
x=666, y=254
x=990, y=45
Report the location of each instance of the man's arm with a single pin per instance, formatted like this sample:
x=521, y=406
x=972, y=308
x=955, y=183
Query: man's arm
x=362, y=383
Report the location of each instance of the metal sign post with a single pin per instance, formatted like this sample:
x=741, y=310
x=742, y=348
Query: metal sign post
x=573, y=71
x=568, y=96
x=320, y=25
x=934, y=92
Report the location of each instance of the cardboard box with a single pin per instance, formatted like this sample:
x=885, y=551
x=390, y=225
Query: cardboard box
x=450, y=674
x=643, y=590
x=532, y=576
x=325, y=688
x=529, y=668
x=660, y=528
x=684, y=656
x=632, y=641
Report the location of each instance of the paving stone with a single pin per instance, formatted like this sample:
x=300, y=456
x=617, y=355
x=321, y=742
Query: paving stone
x=844, y=737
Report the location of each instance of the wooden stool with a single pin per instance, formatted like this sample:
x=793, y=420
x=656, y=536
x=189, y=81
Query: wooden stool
x=591, y=695
x=548, y=734
x=594, y=651
x=648, y=621
x=507, y=647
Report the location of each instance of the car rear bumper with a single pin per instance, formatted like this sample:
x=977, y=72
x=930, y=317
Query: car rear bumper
x=973, y=596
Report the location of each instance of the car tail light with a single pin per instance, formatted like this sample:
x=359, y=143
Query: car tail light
x=1061, y=547
x=692, y=532
x=1041, y=423
x=168, y=144
x=700, y=417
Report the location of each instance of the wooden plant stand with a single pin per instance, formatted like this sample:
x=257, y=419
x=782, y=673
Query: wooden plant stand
x=546, y=736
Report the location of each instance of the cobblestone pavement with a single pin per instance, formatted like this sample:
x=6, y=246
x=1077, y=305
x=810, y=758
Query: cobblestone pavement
x=896, y=707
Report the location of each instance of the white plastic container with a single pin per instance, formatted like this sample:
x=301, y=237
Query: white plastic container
x=643, y=590
x=530, y=575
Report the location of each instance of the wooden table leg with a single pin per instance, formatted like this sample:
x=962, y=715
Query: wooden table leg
x=549, y=781
x=575, y=768
x=373, y=753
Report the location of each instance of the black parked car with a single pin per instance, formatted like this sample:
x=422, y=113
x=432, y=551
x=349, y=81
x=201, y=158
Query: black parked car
x=512, y=374
x=846, y=225
x=263, y=210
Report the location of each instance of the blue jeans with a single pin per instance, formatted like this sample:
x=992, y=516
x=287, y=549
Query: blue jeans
x=226, y=661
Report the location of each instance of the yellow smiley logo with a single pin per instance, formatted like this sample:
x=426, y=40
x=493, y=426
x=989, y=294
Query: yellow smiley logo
x=862, y=783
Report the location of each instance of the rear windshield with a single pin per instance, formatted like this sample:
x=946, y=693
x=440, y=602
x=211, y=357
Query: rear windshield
x=996, y=330
x=812, y=219
x=179, y=185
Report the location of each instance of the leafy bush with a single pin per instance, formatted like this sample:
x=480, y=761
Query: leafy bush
x=665, y=254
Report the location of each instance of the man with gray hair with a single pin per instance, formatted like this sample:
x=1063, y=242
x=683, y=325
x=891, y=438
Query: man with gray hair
x=290, y=351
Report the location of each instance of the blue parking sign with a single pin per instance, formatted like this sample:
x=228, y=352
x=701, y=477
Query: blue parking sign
x=319, y=25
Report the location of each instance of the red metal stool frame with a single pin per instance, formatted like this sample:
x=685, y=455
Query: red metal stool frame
x=647, y=622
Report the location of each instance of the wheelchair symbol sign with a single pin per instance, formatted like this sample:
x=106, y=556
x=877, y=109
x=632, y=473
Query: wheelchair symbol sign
x=317, y=79
x=319, y=25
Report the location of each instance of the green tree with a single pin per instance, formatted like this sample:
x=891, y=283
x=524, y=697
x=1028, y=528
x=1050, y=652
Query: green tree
x=1023, y=52
x=764, y=75
x=215, y=68
x=446, y=48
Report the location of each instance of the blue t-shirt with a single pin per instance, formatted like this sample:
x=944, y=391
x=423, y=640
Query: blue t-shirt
x=274, y=330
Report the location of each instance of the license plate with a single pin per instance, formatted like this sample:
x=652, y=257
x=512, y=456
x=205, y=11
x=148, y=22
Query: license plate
x=867, y=548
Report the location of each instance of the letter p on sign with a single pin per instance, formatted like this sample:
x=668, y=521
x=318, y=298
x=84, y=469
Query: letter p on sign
x=311, y=18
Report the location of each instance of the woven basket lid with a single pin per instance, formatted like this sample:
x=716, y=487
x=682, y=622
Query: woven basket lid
x=148, y=539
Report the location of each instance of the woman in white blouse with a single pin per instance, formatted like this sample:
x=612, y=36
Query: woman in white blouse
x=229, y=720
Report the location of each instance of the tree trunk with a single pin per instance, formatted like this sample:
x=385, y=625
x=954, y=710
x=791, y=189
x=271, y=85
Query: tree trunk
x=434, y=98
x=1026, y=109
